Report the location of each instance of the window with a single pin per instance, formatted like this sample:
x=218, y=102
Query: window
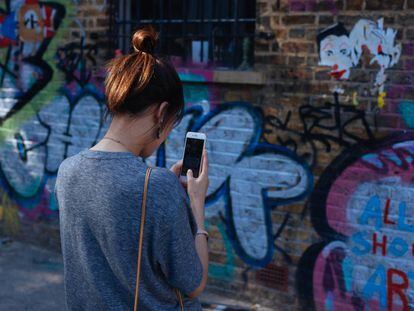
x=199, y=33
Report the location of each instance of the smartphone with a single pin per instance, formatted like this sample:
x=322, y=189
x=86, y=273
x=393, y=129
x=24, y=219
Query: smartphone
x=192, y=155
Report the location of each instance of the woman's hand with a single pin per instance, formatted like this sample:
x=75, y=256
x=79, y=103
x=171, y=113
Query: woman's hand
x=197, y=190
x=176, y=169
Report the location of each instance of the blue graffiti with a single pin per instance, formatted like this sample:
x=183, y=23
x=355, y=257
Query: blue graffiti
x=249, y=178
x=407, y=111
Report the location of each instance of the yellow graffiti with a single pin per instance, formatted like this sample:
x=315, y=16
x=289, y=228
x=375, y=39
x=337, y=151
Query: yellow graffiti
x=9, y=216
x=381, y=101
x=355, y=101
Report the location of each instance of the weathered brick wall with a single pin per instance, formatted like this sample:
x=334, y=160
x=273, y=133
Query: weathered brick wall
x=350, y=240
x=310, y=200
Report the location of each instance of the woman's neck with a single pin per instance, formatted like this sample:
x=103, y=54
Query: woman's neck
x=125, y=134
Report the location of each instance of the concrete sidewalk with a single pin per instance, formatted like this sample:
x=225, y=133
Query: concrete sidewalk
x=31, y=278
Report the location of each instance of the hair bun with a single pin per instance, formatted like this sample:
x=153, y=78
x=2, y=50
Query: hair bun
x=145, y=40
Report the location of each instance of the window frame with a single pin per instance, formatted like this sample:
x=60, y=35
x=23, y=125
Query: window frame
x=239, y=54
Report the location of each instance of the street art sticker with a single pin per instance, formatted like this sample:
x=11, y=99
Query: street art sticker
x=342, y=50
x=247, y=178
x=362, y=208
x=26, y=29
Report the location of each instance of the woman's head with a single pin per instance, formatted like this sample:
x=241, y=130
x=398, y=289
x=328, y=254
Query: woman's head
x=141, y=83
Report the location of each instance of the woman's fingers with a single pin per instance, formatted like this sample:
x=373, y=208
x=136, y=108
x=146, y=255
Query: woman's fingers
x=189, y=175
x=176, y=168
x=204, y=169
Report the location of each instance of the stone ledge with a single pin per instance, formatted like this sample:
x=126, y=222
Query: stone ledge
x=221, y=76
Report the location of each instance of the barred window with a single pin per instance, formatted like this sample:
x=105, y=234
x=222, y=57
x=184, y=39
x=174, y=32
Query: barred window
x=199, y=33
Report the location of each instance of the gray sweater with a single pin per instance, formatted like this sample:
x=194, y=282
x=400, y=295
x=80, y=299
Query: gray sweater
x=99, y=195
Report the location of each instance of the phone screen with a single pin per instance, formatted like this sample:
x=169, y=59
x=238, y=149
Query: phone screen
x=192, y=156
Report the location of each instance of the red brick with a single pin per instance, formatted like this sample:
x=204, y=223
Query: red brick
x=354, y=5
x=326, y=19
x=298, y=47
x=409, y=34
x=297, y=33
x=393, y=5
x=373, y=4
x=384, y=5
x=329, y=5
x=298, y=19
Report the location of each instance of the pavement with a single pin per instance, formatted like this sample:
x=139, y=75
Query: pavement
x=31, y=278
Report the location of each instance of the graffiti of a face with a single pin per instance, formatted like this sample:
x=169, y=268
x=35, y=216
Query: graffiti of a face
x=335, y=51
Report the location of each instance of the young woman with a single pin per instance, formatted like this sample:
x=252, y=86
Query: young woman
x=99, y=192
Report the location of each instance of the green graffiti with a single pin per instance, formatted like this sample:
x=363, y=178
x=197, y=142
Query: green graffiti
x=218, y=271
x=52, y=88
x=194, y=93
x=407, y=111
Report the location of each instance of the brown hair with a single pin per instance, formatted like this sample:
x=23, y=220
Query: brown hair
x=139, y=80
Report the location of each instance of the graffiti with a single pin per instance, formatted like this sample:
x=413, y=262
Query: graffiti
x=342, y=51
x=361, y=208
x=380, y=43
x=9, y=218
x=328, y=126
x=224, y=271
x=196, y=93
x=335, y=50
x=248, y=179
x=31, y=157
x=406, y=109
x=27, y=27
x=216, y=306
x=271, y=174
x=76, y=60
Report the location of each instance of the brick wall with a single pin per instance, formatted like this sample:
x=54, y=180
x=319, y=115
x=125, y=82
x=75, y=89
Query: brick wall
x=310, y=151
x=350, y=240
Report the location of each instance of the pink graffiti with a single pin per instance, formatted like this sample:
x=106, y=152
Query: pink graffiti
x=41, y=211
x=370, y=205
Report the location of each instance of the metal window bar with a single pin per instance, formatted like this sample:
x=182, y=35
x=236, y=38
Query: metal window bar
x=225, y=26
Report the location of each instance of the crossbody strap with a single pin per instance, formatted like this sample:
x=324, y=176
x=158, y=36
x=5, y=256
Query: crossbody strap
x=141, y=235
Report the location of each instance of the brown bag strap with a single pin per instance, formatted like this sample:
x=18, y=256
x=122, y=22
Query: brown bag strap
x=141, y=237
x=180, y=299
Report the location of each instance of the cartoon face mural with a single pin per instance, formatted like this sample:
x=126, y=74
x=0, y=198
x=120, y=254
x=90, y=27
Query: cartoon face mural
x=342, y=51
x=362, y=207
x=335, y=50
x=381, y=44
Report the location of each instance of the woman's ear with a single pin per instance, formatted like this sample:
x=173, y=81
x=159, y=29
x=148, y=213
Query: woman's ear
x=160, y=113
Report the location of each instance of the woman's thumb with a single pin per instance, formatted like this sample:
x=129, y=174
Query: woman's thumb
x=189, y=173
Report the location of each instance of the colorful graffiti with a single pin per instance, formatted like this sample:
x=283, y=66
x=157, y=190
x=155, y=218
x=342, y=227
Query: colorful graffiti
x=71, y=121
x=342, y=51
x=248, y=179
x=239, y=162
x=361, y=209
x=406, y=108
x=26, y=29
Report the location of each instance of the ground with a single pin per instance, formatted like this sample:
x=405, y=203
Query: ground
x=31, y=278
